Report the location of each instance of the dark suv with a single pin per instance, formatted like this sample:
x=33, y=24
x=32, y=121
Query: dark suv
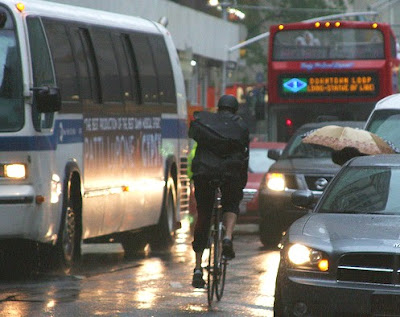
x=299, y=166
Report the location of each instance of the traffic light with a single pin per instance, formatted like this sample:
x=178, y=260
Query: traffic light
x=288, y=122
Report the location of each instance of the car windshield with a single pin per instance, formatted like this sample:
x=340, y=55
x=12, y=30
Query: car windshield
x=385, y=123
x=259, y=162
x=298, y=149
x=364, y=190
x=11, y=97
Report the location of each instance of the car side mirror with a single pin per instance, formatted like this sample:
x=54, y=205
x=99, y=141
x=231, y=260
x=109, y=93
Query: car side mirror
x=274, y=154
x=46, y=99
x=303, y=199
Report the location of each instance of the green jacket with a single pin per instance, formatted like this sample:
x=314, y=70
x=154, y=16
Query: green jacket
x=191, y=155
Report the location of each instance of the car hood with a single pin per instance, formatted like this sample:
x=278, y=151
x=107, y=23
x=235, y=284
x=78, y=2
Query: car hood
x=350, y=231
x=311, y=165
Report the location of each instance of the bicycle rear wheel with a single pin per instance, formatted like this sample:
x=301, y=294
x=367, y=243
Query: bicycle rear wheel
x=221, y=264
x=210, y=268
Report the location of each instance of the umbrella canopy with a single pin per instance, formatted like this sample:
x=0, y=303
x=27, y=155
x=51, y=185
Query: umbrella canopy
x=338, y=138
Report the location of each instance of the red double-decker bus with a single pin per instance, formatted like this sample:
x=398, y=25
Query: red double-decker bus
x=337, y=69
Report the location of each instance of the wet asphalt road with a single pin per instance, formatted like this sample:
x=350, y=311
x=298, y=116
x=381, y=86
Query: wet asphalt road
x=157, y=284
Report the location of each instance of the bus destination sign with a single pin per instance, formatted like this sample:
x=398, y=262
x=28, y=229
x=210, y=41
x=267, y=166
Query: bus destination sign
x=318, y=85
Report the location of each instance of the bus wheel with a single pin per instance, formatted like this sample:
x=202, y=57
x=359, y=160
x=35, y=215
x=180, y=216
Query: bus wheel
x=68, y=242
x=164, y=236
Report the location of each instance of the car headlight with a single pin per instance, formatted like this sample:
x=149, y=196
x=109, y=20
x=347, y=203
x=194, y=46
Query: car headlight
x=304, y=257
x=17, y=171
x=275, y=181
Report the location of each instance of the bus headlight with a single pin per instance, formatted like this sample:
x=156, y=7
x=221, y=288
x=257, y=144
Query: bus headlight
x=303, y=257
x=275, y=181
x=17, y=171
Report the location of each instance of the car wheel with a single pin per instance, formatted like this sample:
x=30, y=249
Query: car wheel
x=270, y=231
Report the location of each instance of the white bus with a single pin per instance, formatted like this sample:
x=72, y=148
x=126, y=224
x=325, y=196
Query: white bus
x=93, y=133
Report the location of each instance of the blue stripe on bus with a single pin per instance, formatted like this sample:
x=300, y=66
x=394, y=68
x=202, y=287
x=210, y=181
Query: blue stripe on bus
x=174, y=128
x=71, y=131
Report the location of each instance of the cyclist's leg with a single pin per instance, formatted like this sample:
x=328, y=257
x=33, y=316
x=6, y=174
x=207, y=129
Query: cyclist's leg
x=232, y=194
x=205, y=200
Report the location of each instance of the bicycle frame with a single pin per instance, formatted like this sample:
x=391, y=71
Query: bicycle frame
x=216, y=262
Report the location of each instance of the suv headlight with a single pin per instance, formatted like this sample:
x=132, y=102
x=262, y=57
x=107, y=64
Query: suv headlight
x=17, y=171
x=303, y=257
x=275, y=181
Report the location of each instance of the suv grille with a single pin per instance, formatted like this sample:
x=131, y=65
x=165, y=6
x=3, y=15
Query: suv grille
x=290, y=181
x=376, y=268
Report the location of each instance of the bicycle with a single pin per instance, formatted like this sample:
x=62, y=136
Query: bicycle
x=217, y=263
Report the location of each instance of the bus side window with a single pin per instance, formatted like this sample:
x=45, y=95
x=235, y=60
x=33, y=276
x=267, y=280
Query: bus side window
x=42, y=70
x=64, y=63
x=93, y=70
x=166, y=81
x=107, y=65
x=85, y=90
x=133, y=68
x=147, y=72
x=124, y=68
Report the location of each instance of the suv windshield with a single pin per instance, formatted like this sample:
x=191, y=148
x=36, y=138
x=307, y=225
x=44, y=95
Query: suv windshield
x=364, y=190
x=11, y=96
x=385, y=124
x=298, y=149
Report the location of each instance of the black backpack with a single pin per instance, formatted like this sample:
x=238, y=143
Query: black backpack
x=223, y=135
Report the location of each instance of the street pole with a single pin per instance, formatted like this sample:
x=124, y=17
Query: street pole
x=224, y=7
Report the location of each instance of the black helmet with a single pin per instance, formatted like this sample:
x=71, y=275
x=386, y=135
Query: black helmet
x=228, y=102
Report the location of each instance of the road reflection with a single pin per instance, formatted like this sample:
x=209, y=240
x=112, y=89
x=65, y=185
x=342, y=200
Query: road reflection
x=156, y=283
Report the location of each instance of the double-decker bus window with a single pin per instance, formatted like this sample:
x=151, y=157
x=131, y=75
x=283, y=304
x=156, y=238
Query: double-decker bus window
x=331, y=44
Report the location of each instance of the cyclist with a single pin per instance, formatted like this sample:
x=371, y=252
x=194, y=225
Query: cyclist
x=222, y=152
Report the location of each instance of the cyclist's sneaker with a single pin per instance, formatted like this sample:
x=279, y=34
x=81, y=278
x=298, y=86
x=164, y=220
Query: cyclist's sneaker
x=227, y=249
x=198, y=281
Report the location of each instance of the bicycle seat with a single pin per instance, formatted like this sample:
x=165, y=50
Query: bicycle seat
x=216, y=182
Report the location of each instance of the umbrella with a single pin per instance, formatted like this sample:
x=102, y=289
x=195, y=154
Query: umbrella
x=339, y=137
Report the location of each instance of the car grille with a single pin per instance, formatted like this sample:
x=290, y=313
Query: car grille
x=248, y=194
x=290, y=181
x=376, y=268
x=309, y=181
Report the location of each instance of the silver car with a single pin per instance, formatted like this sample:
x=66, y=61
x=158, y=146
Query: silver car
x=344, y=256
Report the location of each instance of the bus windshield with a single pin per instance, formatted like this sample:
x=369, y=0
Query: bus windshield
x=11, y=96
x=332, y=44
